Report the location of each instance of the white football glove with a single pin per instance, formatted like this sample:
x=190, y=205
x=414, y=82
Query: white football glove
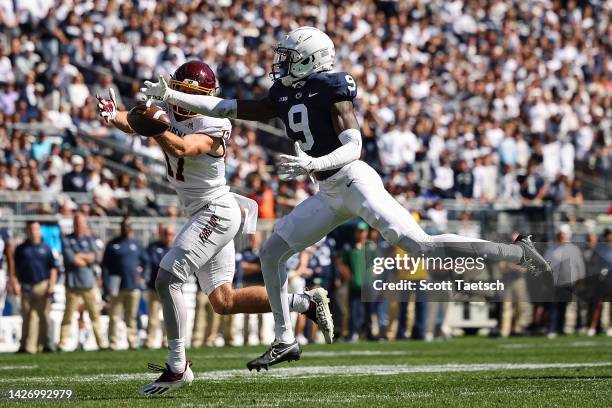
x=294, y=166
x=156, y=90
x=107, y=109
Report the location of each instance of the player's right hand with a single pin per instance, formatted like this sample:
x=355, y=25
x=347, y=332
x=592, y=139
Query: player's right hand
x=107, y=108
x=156, y=90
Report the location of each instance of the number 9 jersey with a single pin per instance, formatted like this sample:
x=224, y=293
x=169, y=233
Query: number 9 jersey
x=306, y=109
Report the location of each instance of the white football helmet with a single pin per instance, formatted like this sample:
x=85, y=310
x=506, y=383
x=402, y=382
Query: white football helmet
x=302, y=52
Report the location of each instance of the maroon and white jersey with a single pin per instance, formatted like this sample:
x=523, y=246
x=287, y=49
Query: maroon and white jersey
x=197, y=179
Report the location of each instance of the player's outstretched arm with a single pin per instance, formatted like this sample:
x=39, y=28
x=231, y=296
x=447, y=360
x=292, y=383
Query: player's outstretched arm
x=189, y=145
x=108, y=111
x=209, y=105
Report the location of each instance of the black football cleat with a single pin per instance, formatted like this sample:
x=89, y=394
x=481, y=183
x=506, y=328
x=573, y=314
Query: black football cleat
x=532, y=260
x=277, y=353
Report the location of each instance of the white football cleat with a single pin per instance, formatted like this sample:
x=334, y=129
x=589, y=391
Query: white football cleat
x=319, y=312
x=168, y=381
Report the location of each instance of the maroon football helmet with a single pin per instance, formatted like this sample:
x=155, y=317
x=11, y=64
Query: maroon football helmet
x=194, y=77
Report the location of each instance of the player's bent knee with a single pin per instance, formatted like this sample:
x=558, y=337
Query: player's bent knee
x=222, y=299
x=165, y=282
x=175, y=262
x=421, y=244
x=162, y=282
x=274, y=250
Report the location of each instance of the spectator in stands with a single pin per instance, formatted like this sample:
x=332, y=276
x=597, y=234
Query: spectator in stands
x=123, y=265
x=443, y=181
x=516, y=308
x=141, y=200
x=568, y=267
x=206, y=323
x=42, y=148
x=418, y=298
x=36, y=274
x=464, y=180
x=249, y=267
x=75, y=181
x=81, y=256
x=533, y=186
x=263, y=194
x=354, y=259
x=156, y=251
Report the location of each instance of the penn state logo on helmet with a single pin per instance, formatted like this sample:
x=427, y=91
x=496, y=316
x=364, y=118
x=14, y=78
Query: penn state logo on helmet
x=302, y=52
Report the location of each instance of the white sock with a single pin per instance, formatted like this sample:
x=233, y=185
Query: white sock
x=176, y=355
x=299, y=302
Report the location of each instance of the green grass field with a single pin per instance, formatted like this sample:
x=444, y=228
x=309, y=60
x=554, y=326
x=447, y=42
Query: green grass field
x=470, y=372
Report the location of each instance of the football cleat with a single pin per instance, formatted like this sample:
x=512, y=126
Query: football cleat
x=319, y=313
x=168, y=381
x=277, y=353
x=532, y=260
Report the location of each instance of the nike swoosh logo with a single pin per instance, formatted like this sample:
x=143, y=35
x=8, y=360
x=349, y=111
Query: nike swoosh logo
x=310, y=95
x=274, y=353
x=350, y=183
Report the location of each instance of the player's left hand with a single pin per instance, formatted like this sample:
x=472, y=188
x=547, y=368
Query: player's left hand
x=107, y=108
x=294, y=166
x=156, y=90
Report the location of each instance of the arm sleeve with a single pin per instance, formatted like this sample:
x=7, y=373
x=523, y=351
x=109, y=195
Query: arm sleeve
x=204, y=104
x=345, y=154
x=217, y=128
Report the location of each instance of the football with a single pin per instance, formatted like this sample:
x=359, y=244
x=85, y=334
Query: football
x=148, y=120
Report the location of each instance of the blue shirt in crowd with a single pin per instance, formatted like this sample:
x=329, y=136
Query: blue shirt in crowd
x=322, y=264
x=33, y=262
x=125, y=259
x=156, y=251
x=79, y=277
x=250, y=256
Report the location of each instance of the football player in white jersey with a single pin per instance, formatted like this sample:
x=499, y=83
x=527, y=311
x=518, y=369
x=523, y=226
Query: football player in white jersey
x=316, y=106
x=194, y=149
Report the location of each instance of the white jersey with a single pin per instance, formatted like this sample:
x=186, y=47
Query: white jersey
x=197, y=179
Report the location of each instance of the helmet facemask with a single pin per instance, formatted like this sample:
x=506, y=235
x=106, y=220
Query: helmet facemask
x=284, y=58
x=189, y=86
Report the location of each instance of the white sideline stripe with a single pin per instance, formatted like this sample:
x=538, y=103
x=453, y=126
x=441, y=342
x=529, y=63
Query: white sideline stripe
x=578, y=344
x=18, y=367
x=315, y=371
x=348, y=353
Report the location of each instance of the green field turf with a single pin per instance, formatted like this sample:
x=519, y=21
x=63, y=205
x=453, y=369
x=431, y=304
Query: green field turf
x=470, y=372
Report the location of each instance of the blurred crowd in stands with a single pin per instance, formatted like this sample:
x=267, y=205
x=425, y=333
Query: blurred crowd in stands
x=484, y=100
